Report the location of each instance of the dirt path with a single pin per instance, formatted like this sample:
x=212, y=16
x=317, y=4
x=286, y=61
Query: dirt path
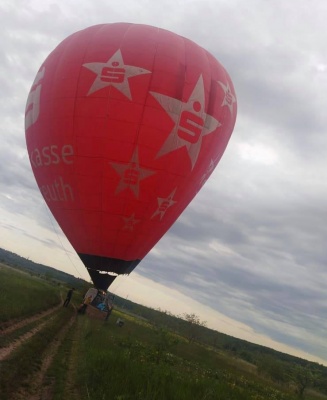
x=13, y=325
x=39, y=388
x=6, y=351
x=38, y=385
x=70, y=387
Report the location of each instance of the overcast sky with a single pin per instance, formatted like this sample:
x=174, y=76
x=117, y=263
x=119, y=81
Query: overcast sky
x=249, y=254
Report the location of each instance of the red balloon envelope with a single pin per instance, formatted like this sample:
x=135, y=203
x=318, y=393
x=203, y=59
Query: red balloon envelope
x=124, y=124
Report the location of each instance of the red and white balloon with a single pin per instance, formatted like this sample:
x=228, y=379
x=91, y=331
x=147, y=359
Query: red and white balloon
x=124, y=123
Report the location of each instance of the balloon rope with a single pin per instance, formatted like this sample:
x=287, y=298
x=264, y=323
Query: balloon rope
x=60, y=241
x=115, y=286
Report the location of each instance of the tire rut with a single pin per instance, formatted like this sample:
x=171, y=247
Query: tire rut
x=6, y=351
x=11, y=326
x=15, y=343
x=70, y=385
x=38, y=390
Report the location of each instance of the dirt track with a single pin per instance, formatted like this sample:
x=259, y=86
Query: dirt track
x=36, y=387
x=14, y=324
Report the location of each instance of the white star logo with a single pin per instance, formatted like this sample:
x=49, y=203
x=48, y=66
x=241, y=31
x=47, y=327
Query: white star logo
x=131, y=174
x=130, y=222
x=229, y=98
x=114, y=73
x=191, y=122
x=164, y=204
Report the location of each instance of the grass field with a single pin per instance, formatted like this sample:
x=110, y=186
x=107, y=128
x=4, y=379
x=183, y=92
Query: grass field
x=22, y=295
x=65, y=355
x=142, y=362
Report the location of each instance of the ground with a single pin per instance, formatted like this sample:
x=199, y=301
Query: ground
x=17, y=334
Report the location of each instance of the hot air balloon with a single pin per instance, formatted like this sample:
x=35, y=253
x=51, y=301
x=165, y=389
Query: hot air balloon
x=124, y=123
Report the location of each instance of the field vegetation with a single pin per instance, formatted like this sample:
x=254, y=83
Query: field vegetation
x=50, y=352
x=22, y=295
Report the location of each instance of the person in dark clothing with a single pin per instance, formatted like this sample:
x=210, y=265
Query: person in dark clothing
x=68, y=298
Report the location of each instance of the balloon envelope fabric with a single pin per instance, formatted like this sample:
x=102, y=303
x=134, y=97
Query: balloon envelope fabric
x=124, y=124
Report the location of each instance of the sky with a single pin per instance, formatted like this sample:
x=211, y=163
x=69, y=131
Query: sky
x=249, y=254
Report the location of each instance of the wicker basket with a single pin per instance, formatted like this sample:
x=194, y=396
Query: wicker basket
x=94, y=312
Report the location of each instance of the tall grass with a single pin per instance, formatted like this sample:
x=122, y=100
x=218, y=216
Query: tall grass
x=117, y=364
x=22, y=295
x=98, y=360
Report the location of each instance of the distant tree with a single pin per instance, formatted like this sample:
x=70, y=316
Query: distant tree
x=320, y=379
x=48, y=276
x=194, y=324
x=273, y=368
x=167, y=312
x=302, y=377
x=247, y=356
x=193, y=319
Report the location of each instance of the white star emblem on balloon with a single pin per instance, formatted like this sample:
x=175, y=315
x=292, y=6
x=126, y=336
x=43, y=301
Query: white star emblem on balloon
x=130, y=222
x=114, y=73
x=164, y=204
x=131, y=174
x=191, y=122
x=229, y=98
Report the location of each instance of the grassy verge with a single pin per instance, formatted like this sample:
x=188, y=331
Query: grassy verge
x=22, y=295
x=99, y=360
x=119, y=364
x=5, y=340
x=61, y=372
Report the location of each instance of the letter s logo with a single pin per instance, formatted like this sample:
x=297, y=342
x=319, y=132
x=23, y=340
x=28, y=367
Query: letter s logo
x=113, y=75
x=32, y=109
x=190, y=127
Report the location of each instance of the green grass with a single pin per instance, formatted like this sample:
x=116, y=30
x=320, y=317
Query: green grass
x=22, y=295
x=5, y=340
x=125, y=363
x=97, y=360
x=26, y=359
x=61, y=368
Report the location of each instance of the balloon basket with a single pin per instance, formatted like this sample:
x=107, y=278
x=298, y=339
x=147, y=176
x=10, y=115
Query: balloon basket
x=95, y=313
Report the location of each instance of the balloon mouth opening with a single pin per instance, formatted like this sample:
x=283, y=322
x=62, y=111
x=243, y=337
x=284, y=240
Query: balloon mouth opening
x=104, y=270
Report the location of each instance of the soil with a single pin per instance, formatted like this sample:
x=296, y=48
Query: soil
x=39, y=388
x=14, y=324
